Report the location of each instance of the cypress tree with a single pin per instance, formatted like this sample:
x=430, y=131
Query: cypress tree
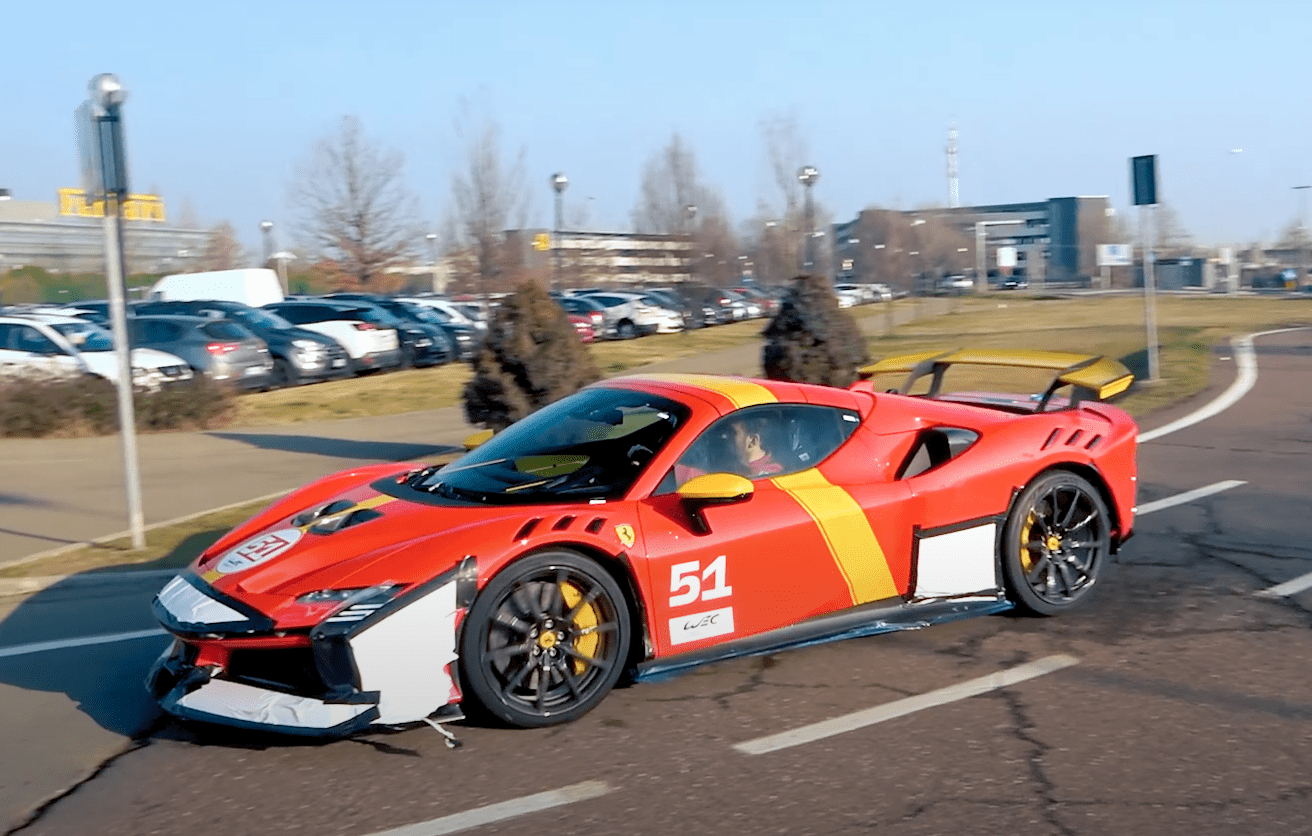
x=532, y=357
x=811, y=339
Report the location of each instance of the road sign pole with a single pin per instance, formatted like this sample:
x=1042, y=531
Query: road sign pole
x=105, y=173
x=1146, y=228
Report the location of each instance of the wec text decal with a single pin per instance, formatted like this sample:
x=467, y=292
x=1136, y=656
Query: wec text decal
x=702, y=625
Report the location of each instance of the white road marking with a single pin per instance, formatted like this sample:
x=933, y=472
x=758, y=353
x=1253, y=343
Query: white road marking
x=1288, y=587
x=1246, y=359
x=910, y=705
x=1187, y=496
x=62, y=644
x=501, y=811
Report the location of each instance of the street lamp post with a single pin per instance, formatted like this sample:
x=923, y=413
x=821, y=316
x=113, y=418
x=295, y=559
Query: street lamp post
x=432, y=259
x=694, y=248
x=559, y=182
x=267, y=228
x=807, y=175
x=1302, y=219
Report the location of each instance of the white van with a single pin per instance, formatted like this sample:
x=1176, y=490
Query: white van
x=256, y=286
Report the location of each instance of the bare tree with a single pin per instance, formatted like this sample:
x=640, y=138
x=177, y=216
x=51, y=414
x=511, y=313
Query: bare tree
x=222, y=250
x=351, y=206
x=673, y=201
x=489, y=195
x=669, y=188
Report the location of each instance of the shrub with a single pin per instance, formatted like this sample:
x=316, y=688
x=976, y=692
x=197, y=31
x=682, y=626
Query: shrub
x=532, y=357
x=811, y=339
x=89, y=406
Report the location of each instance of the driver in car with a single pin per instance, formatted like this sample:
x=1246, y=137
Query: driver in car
x=754, y=460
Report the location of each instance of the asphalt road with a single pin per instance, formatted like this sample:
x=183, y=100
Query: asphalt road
x=1178, y=702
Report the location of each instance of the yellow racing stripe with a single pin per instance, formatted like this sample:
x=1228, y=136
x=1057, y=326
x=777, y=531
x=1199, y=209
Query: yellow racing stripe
x=846, y=531
x=738, y=390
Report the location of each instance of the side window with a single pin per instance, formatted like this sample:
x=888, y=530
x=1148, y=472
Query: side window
x=27, y=338
x=6, y=335
x=292, y=314
x=764, y=441
x=159, y=332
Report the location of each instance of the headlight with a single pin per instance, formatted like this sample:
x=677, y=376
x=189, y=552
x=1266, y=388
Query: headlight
x=308, y=345
x=423, y=343
x=328, y=596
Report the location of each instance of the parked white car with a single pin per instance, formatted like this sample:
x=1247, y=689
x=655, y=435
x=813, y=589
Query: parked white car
x=628, y=315
x=371, y=345
x=456, y=315
x=49, y=345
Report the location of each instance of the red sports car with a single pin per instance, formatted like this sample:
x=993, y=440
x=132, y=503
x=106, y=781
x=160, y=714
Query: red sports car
x=645, y=525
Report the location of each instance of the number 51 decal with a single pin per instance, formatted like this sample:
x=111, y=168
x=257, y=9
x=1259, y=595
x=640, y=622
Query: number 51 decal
x=687, y=579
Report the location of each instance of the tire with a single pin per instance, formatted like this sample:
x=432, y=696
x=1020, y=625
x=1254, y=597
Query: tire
x=626, y=330
x=1056, y=543
x=284, y=374
x=545, y=640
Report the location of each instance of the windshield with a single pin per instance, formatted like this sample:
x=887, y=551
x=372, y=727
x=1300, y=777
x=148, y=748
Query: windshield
x=260, y=319
x=424, y=313
x=589, y=446
x=86, y=337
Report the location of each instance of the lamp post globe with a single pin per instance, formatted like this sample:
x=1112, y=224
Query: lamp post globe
x=106, y=91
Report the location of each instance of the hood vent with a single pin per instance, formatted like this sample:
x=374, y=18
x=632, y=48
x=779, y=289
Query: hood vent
x=563, y=523
x=595, y=525
x=331, y=524
x=307, y=517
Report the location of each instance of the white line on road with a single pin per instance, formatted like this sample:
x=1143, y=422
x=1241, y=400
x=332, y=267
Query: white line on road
x=62, y=644
x=899, y=708
x=501, y=811
x=1246, y=359
x=1288, y=587
x=1187, y=496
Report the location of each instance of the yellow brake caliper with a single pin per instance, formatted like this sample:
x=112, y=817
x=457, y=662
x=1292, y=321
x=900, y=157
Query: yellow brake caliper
x=586, y=619
x=1026, y=559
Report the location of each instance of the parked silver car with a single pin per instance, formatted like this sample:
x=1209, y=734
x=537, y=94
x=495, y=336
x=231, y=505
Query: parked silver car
x=220, y=349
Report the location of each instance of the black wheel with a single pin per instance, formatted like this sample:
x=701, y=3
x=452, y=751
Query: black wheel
x=1056, y=543
x=545, y=641
x=284, y=373
x=626, y=330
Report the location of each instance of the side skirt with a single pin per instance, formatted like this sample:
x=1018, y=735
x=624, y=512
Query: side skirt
x=870, y=619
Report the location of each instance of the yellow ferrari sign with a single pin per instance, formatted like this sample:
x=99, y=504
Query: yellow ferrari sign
x=138, y=207
x=625, y=533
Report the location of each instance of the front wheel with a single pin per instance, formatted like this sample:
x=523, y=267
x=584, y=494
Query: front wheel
x=1056, y=543
x=546, y=640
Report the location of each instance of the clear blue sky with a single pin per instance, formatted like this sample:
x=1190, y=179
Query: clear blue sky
x=1051, y=98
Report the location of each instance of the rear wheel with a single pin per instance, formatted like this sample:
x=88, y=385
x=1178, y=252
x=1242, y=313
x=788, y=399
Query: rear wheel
x=626, y=330
x=1056, y=543
x=546, y=640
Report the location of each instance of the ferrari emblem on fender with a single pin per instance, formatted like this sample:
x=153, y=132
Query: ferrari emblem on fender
x=625, y=533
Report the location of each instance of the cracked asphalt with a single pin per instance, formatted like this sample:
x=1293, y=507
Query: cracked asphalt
x=1190, y=710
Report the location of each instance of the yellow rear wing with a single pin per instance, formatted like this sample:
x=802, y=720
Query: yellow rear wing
x=1092, y=376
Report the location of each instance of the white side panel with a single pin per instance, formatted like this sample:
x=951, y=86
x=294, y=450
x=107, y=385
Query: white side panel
x=220, y=698
x=958, y=563
x=404, y=657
